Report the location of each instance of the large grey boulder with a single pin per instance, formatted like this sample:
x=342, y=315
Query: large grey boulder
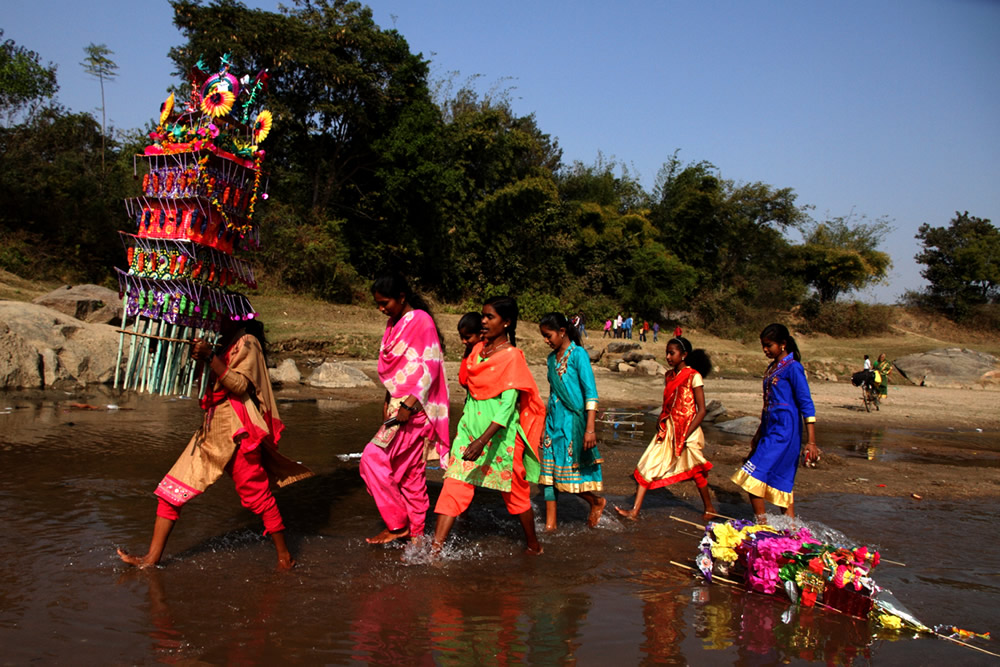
x=714, y=410
x=649, y=367
x=286, y=373
x=41, y=347
x=90, y=303
x=337, y=375
x=635, y=356
x=946, y=367
x=20, y=363
x=619, y=347
x=740, y=426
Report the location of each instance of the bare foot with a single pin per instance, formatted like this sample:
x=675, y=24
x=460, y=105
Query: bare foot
x=709, y=514
x=387, y=536
x=286, y=563
x=596, y=510
x=631, y=515
x=551, y=528
x=141, y=562
x=534, y=549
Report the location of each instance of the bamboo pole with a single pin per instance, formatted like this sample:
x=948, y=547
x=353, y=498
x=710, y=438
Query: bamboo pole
x=121, y=341
x=165, y=338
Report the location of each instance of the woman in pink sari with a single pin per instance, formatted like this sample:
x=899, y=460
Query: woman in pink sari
x=415, y=412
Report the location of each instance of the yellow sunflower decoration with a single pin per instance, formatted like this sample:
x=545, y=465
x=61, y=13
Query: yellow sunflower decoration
x=262, y=126
x=166, y=108
x=218, y=103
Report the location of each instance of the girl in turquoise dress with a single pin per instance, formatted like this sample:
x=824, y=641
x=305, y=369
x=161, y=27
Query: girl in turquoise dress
x=569, y=457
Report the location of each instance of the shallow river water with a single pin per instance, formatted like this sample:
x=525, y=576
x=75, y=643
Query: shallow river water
x=77, y=484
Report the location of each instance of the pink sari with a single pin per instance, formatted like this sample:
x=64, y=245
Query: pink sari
x=393, y=464
x=411, y=364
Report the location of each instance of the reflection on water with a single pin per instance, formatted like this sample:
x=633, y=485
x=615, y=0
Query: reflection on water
x=78, y=483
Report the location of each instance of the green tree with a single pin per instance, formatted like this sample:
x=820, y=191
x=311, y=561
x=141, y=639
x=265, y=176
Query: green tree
x=23, y=79
x=840, y=256
x=733, y=234
x=962, y=264
x=340, y=89
x=56, y=218
x=98, y=64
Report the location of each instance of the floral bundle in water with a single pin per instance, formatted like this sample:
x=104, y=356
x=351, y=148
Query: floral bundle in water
x=792, y=562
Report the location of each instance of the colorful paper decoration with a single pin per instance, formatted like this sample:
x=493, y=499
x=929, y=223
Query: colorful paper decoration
x=201, y=181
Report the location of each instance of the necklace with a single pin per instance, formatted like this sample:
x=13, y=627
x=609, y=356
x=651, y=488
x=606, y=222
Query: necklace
x=496, y=346
x=562, y=361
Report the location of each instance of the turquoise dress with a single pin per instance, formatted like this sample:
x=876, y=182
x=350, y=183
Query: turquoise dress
x=566, y=465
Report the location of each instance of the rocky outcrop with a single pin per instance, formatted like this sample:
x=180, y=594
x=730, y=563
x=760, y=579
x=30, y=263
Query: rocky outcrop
x=649, y=367
x=89, y=303
x=287, y=372
x=619, y=347
x=740, y=426
x=714, y=411
x=947, y=367
x=337, y=375
x=41, y=347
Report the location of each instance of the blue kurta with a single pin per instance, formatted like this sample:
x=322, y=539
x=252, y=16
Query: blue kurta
x=770, y=471
x=566, y=465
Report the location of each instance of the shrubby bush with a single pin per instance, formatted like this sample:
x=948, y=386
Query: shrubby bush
x=849, y=319
x=723, y=314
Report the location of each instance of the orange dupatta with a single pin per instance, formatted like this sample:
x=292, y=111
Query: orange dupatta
x=505, y=370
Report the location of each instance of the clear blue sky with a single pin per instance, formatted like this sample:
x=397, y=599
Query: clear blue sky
x=881, y=108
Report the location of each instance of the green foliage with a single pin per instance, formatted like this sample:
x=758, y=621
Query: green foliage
x=310, y=256
x=962, y=264
x=51, y=194
x=23, y=78
x=840, y=256
x=97, y=63
x=985, y=317
x=732, y=234
x=659, y=281
x=846, y=320
x=723, y=313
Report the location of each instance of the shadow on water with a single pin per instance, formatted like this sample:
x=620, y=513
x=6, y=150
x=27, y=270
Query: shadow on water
x=78, y=484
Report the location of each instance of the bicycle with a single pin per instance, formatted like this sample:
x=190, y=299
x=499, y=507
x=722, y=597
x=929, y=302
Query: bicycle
x=869, y=395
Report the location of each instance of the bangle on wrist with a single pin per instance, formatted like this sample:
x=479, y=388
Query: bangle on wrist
x=590, y=431
x=404, y=406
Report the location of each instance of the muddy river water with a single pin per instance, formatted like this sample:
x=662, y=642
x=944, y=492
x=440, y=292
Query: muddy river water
x=78, y=483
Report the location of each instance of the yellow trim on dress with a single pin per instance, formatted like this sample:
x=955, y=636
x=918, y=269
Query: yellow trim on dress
x=590, y=405
x=810, y=420
x=547, y=480
x=755, y=487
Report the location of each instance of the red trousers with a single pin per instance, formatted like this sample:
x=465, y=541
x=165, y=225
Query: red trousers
x=456, y=496
x=253, y=487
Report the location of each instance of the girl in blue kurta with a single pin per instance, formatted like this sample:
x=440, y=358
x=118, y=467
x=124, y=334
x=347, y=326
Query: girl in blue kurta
x=569, y=456
x=768, y=474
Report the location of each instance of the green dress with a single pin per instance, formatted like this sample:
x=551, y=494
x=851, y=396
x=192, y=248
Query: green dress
x=883, y=388
x=495, y=466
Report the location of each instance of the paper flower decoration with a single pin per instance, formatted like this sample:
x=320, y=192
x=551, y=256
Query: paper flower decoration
x=218, y=103
x=166, y=108
x=262, y=126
